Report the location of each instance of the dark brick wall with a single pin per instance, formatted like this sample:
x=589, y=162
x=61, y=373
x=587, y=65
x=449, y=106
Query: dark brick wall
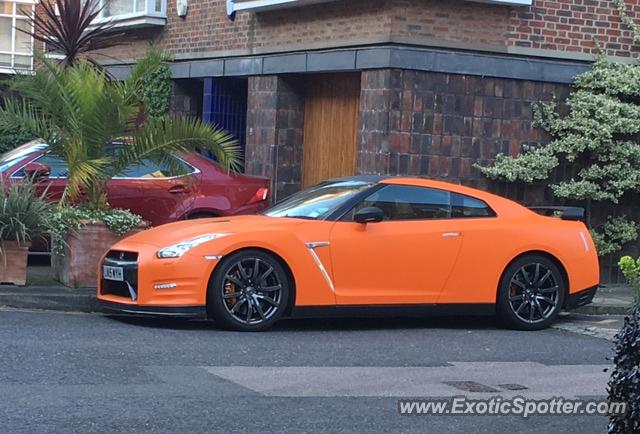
x=414, y=123
x=439, y=125
x=275, y=118
x=186, y=98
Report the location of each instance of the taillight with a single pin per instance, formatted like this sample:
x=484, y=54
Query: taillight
x=260, y=195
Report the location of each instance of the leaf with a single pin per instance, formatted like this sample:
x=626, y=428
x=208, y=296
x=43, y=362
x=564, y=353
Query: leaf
x=71, y=29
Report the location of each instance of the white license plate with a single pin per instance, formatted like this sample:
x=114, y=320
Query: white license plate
x=112, y=273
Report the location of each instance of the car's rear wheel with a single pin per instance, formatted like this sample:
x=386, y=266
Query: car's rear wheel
x=531, y=293
x=249, y=291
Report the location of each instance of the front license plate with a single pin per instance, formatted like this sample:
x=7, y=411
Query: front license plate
x=112, y=273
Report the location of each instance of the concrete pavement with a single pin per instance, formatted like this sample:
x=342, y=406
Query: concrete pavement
x=90, y=373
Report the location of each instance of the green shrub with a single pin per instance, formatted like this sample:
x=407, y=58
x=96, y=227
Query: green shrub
x=613, y=234
x=24, y=215
x=631, y=269
x=13, y=136
x=155, y=82
x=598, y=137
x=67, y=219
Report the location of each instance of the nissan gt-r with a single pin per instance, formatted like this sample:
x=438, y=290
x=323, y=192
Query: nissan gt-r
x=360, y=244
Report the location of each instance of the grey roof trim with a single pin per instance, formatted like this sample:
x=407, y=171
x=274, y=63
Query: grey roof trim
x=375, y=57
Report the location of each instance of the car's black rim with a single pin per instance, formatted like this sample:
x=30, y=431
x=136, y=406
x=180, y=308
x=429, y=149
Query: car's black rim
x=534, y=293
x=251, y=291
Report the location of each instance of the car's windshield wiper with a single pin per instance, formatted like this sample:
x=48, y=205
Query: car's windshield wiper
x=300, y=217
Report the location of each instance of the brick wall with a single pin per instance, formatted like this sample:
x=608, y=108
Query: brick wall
x=453, y=21
x=439, y=125
x=186, y=98
x=207, y=28
x=571, y=25
x=560, y=25
x=275, y=132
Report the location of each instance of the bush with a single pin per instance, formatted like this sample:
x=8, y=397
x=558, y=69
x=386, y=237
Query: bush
x=23, y=214
x=598, y=138
x=67, y=219
x=155, y=83
x=631, y=270
x=624, y=384
x=12, y=137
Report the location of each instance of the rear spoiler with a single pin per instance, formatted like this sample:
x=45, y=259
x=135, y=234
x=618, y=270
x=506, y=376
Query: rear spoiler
x=565, y=212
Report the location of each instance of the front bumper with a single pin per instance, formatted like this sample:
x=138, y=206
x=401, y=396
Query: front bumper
x=168, y=287
x=163, y=311
x=581, y=298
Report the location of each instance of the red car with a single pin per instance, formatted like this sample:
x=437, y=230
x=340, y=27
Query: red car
x=159, y=193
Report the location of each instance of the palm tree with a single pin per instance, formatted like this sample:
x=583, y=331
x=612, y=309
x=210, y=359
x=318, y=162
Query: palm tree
x=80, y=112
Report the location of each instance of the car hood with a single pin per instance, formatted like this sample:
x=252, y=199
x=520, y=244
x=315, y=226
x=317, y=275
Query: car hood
x=172, y=233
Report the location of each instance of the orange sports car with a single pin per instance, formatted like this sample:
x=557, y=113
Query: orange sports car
x=360, y=244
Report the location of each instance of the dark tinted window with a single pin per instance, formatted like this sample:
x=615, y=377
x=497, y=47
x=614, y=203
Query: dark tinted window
x=465, y=206
x=58, y=166
x=399, y=202
x=145, y=169
x=152, y=169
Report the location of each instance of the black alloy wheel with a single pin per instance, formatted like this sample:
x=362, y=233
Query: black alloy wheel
x=531, y=293
x=249, y=291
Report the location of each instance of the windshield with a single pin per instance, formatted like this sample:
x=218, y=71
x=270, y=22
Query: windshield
x=14, y=156
x=318, y=202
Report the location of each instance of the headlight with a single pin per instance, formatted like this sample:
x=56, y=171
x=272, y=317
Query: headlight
x=179, y=249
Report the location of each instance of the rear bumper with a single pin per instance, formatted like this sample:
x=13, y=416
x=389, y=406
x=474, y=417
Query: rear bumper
x=581, y=298
x=165, y=311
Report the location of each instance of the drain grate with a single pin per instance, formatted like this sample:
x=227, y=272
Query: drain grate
x=471, y=386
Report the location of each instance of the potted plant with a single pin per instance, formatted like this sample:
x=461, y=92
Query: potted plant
x=23, y=216
x=77, y=109
x=73, y=227
x=79, y=112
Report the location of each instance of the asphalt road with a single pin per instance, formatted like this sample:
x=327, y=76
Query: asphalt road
x=68, y=373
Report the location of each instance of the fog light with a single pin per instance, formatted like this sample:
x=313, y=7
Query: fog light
x=165, y=286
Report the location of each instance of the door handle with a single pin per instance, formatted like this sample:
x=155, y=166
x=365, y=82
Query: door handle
x=450, y=234
x=178, y=189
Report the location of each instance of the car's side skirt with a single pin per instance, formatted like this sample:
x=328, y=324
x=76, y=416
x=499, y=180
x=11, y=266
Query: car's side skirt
x=397, y=310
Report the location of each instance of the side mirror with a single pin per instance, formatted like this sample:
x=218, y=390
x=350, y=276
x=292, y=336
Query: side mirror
x=35, y=170
x=370, y=214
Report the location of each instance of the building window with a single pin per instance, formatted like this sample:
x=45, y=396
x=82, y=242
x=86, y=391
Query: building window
x=134, y=13
x=16, y=47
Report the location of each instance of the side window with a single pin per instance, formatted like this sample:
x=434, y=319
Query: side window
x=465, y=206
x=401, y=202
x=152, y=169
x=58, y=166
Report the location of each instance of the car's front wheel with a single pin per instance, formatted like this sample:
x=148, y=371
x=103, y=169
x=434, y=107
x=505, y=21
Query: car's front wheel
x=531, y=293
x=249, y=291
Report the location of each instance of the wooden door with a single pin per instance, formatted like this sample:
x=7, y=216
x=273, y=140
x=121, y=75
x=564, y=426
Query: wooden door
x=331, y=118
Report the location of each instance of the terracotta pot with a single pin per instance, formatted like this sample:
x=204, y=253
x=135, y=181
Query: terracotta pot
x=13, y=262
x=78, y=268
